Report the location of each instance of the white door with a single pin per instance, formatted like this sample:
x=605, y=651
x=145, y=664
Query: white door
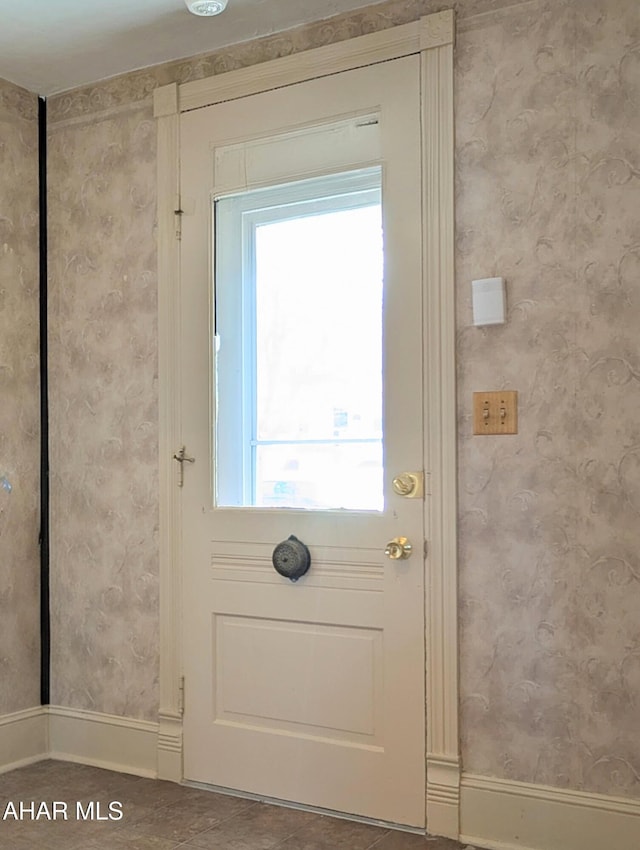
x=301, y=400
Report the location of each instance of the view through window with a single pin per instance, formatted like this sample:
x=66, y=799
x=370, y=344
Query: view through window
x=299, y=297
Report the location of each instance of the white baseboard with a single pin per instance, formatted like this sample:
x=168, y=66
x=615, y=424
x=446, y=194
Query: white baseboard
x=503, y=815
x=23, y=738
x=494, y=813
x=103, y=740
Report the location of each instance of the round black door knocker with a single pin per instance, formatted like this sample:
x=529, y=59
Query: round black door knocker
x=291, y=558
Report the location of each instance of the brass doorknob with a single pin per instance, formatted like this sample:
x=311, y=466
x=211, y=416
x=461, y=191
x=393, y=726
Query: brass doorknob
x=409, y=484
x=398, y=549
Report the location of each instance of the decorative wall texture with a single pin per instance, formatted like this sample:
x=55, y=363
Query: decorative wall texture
x=139, y=85
x=103, y=406
x=548, y=129
x=548, y=126
x=19, y=402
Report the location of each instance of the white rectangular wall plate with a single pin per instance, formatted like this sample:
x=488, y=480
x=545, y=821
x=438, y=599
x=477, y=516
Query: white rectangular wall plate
x=488, y=295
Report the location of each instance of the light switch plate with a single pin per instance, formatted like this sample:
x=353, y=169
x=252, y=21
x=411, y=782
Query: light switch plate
x=495, y=412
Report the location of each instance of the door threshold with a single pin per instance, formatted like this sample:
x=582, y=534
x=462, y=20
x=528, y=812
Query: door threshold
x=288, y=804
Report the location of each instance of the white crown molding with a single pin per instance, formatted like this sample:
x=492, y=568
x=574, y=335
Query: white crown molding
x=503, y=815
x=23, y=738
x=103, y=740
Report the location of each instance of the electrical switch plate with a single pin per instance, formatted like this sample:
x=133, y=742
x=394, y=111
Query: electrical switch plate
x=495, y=412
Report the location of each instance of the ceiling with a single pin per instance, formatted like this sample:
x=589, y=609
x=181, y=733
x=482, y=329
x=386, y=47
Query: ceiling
x=50, y=46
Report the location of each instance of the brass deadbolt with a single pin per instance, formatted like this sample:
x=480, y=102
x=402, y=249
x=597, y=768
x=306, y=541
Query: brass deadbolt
x=410, y=485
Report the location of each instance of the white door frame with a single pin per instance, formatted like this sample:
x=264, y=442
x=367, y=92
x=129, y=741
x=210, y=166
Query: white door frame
x=433, y=38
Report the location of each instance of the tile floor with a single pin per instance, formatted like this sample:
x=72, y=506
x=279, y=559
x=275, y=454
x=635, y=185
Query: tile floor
x=164, y=816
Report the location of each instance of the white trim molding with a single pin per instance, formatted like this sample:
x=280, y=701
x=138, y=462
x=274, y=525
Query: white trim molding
x=24, y=738
x=311, y=64
x=497, y=814
x=443, y=795
x=505, y=815
x=441, y=585
x=103, y=740
x=431, y=31
x=433, y=38
x=170, y=712
x=170, y=747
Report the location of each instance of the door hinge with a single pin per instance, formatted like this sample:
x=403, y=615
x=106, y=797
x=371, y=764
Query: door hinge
x=178, y=213
x=181, y=695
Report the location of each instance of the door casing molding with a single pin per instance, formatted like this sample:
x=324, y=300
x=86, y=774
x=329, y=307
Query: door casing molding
x=433, y=38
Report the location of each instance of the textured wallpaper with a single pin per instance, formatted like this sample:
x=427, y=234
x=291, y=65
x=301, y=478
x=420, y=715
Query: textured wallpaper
x=104, y=415
x=548, y=164
x=139, y=85
x=548, y=130
x=19, y=403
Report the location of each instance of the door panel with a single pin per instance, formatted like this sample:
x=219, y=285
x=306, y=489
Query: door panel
x=284, y=689
x=310, y=691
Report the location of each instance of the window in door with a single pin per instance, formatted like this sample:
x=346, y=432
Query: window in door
x=298, y=321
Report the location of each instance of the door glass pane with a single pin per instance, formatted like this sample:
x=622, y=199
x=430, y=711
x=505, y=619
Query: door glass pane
x=330, y=475
x=299, y=361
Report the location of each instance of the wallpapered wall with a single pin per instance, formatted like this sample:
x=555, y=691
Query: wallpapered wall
x=548, y=161
x=104, y=414
x=19, y=402
x=548, y=194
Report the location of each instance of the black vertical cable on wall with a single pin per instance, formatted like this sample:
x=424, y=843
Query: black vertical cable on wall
x=45, y=621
